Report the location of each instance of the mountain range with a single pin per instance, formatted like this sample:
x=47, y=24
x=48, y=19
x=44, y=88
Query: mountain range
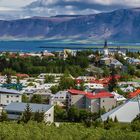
x=119, y=25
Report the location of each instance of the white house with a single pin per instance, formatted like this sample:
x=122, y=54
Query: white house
x=15, y=110
x=93, y=86
x=8, y=96
x=118, y=97
x=59, y=98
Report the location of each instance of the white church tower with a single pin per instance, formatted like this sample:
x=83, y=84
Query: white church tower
x=106, y=51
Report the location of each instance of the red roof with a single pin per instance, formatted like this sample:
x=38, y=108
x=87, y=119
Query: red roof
x=134, y=94
x=102, y=94
x=76, y=92
x=22, y=75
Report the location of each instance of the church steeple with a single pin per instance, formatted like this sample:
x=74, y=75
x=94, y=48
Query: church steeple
x=106, y=51
x=105, y=45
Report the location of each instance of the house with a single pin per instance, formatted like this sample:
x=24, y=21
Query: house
x=125, y=113
x=133, y=61
x=15, y=110
x=118, y=97
x=134, y=94
x=59, y=98
x=102, y=100
x=105, y=61
x=76, y=98
x=125, y=84
x=44, y=93
x=93, y=86
x=8, y=96
x=91, y=101
x=47, y=54
x=116, y=64
x=86, y=78
x=66, y=52
x=57, y=76
x=127, y=89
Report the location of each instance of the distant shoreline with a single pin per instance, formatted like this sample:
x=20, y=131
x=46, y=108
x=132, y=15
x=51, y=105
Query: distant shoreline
x=54, y=46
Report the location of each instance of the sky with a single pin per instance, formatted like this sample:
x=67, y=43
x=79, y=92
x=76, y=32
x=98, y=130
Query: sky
x=68, y=6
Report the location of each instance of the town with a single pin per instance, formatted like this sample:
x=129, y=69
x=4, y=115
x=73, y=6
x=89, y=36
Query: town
x=104, y=83
x=70, y=86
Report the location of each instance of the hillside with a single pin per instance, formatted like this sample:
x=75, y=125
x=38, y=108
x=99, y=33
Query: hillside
x=119, y=25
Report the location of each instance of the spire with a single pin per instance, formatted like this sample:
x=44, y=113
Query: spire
x=105, y=45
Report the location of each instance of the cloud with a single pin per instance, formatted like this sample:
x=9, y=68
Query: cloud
x=14, y=3
x=58, y=7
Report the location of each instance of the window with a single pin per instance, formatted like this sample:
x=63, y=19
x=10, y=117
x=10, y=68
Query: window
x=7, y=96
x=49, y=115
x=17, y=96
x=7, y=101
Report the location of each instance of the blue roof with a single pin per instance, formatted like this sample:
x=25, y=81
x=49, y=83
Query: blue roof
x=20, y=107
x=12, y=91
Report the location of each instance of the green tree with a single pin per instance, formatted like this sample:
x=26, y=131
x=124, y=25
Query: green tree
x=8, y=72
x=39, y=116
x=60, y=113
x=82, y=87
x=27, y=114
x=3, y=116
x=18, y=80
x=131, y=69
x=49, y=79
x=113, y=81
x=25, y=99
x=116, y=119
x=73, y=114
x=54, y=89
x=66, y=83
x=106, y=72
x=36, y=98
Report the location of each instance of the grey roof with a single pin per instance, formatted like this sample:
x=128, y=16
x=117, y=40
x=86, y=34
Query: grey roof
x=10, y=91
x=125, y=113
x=20, y=107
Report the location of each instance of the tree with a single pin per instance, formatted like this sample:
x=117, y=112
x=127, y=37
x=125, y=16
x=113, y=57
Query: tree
x=66, y=83
x=18, y=80
x=8, y=72
x=131, y=69
x=60, y=114
x=73, y=114
x=3, y=116
x=27, y=114
x=115, y=119
x=49, y=79
x=25, y=99
x=113, y=81
x=82, y=87
x=83, y=115
x=39, y=116
x=54, y=89
x=106, y=72
x=36, y=98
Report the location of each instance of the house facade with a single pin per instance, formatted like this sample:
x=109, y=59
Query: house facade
x=93, y=102
x=8, y=96
x=15, y=111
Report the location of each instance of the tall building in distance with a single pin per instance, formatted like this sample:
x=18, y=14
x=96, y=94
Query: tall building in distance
x=106, y=51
